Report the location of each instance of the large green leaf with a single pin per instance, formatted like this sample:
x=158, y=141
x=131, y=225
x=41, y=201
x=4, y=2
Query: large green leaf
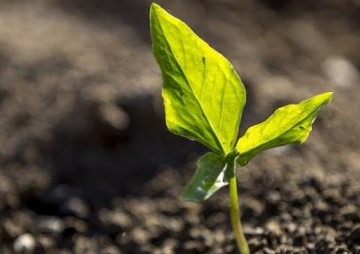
x=212, y=173
x=288, y=125
x=203, y=95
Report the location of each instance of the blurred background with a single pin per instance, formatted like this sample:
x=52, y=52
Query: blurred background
x=86, y=162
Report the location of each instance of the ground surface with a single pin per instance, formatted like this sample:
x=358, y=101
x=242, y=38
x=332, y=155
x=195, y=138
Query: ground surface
x=86, y=163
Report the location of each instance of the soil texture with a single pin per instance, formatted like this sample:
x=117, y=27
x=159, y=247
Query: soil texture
x=87, y=165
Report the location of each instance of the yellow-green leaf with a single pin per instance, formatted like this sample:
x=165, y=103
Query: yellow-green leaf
x=210, y=176
x=203, y=95
x=288, y=125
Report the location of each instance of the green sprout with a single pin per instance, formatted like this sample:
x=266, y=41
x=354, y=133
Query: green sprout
x=204, y=99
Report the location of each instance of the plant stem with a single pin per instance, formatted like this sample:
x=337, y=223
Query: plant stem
x=235, y=218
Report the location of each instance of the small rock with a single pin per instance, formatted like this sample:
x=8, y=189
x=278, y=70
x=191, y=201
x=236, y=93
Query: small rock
x=73, y=225
x=75, y=207
x=85, y=245
x=346, y=226
x=268, y=251
x=194, y=246
x=62, y=193
x=25, y=244
x=351, y=213
x=11, y=229
x=124, y=238
x=256, y=244
x=341, y=71
x=114, y=116
x=50, y=225
x=355, y=235
x=298, y=250
x=258, y=231
x=274, y=227
x=114, y=221
x=140, y=235
x=291, y=227
x=342, y=250
x=46, y=242
x=110, y=250
x=169, y=245
x=219, y=236
x=310, y=247
x=175, y=224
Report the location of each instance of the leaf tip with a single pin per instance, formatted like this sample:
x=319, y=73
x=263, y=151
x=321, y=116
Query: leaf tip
x=154, y=7
x=153, y=10
x=328, y=96
x=156, y=10
x=325, y=97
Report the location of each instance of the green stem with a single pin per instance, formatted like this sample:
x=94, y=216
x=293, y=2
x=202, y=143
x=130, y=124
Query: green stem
x=235, y=218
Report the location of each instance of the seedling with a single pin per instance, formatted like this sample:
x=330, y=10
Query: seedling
x=204, y=99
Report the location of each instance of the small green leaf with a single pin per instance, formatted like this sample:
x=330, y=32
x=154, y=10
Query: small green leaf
x=210, y=176
x=288, y=125
x=203, y=95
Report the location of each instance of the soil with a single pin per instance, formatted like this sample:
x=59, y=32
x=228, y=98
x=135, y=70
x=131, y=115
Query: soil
x=86, y=162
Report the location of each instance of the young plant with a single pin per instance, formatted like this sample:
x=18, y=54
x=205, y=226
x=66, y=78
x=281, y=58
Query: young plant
x=204, y=99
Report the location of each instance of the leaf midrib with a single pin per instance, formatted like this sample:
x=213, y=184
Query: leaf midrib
x=218, y=140
x=289, y=129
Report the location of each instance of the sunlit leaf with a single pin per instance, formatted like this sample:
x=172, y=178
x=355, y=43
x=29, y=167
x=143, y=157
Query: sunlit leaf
x=287, y=125
x=203, y=95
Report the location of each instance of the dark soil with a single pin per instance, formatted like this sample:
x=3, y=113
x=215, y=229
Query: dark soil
x=87, y=165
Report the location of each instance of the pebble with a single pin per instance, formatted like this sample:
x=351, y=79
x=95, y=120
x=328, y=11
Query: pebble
x=62, y=193
x=194, y=246
x=351, y=213
x=257, y=231
x=340, y=71
x=256, y=244
x=342, y=250
x=114, y=116
x=46, y=242
x=73, y=224
x=114, y=221
x=110, y=250
x=140, y=235
x=25, y=244
x=355, y=235
x=50, y=225
x=11, y=229
x=274, y=227
x=75, y=207
x=268, y=251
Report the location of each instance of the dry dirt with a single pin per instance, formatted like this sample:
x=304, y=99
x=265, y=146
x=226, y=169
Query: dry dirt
x=86, y=163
